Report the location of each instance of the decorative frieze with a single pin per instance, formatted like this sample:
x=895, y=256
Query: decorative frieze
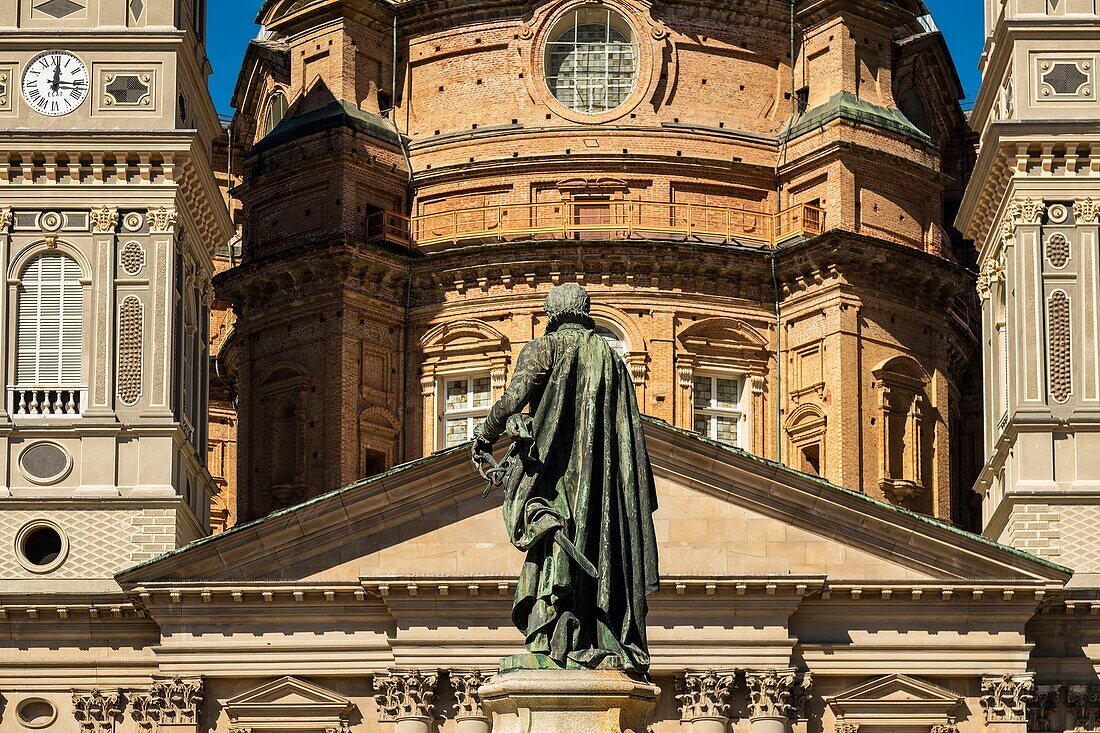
x=171, y=701
x=467, y=700
x=405, y=695
x=1005, y=698
x=777, y=693
x=98, y=711
x=104, y=220
x=704, y=694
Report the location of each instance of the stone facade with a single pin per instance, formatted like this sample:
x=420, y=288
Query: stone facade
x=737, y=217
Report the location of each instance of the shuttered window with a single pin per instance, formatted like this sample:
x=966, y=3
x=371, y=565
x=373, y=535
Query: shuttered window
x=50, y=323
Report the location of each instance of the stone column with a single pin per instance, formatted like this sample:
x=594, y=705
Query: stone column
x=1004, y=701
x=469, y=717
x=704, y=701
x=775, y=697
x=406, y=698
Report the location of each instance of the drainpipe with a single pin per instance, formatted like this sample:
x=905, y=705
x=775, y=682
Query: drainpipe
x=406, y=326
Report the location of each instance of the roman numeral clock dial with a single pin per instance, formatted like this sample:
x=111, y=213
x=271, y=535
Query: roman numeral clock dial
x=55, y=83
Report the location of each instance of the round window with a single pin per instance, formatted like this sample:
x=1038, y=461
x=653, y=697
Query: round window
x=36, y=713
x=591, y=60
x=41, y=546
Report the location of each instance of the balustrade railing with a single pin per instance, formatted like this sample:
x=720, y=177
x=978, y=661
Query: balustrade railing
x=47, y=401
x=597, y=219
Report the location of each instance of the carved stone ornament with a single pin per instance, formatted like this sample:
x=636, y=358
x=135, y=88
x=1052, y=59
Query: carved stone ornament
x=97, y=711
x=845, y=727
x=1027, y=211
x=1005, y=698
x=1086, y=211
x=467, y=700
x=1008, y=233
x=704, y=694
x=1084, y=702
x=777, y=694
x=104, y=220
x=169, y=701
x=992, y=272
x=944, y=728
x=163, y=221
x=405, y=695
x=1039, y=712
x=6, y=219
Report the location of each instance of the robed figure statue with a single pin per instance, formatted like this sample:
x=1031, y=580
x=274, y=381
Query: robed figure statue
x=579, y=495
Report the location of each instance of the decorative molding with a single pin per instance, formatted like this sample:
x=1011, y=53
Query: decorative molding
x=466, y=685
x=1059, y=328
x=1086, y=211
x=131, y=330
x=992, y=272
x=498, y=376
x=844, y=727
x=132, y=258
x=104, y=220
x=405, y=695
x=172, y=701
x=1083, y=701
x=163, y=221
x=288, y=703
x=7, y=217
x=704, y=694
x=1058, y=250
x=777, y=693
x=1004, y=698
x=98, y=711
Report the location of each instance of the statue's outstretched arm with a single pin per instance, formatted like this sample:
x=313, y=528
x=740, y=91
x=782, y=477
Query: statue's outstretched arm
x=532, y=371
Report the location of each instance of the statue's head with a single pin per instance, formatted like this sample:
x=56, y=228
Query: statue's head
x=568, y=303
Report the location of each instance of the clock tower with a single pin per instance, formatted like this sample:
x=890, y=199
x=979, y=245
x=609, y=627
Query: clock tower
x=109, y=218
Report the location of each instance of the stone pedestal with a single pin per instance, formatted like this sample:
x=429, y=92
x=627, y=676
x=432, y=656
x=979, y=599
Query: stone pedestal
x=568, y=701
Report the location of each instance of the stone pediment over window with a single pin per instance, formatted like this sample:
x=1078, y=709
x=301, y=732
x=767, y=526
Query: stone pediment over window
x=289, y=704
x=896, y=700
x=727, y=342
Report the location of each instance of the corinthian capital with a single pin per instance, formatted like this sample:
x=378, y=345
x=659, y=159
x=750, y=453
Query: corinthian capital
x=467, y=699
x=104, y=220
x=777, y=693
x=1086, y=211
x=405, y=695
x=6, y=219
x=1005, y=698
x=1027, y=211
x=170, y=701
x=163, y=221
x=97, y=711
x=704, y=694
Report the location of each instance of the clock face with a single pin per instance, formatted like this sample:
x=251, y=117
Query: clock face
x=55, y=83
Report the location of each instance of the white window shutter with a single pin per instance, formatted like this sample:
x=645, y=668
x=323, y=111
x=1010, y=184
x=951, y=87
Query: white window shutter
x=49, y=332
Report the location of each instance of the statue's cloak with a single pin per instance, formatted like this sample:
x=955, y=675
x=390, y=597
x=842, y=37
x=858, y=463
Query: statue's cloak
x=589, y=478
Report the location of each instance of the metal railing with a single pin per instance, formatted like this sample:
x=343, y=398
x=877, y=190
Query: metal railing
x=597, y=219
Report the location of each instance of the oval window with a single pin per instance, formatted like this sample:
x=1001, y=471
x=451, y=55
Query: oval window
x=36, y=713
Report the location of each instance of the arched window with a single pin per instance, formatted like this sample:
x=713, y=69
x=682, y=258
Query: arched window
x=614, y=339
x=276, y=111
x=591, y=60
x=49, y=337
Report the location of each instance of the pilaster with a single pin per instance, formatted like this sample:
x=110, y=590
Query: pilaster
x=162, y=228
x=102, y=372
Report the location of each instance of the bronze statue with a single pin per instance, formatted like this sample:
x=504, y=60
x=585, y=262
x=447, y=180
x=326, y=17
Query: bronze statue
x=578, y=496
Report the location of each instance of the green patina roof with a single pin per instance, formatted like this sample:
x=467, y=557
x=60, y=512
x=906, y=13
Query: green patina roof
x=847, y=106
x=770, y=464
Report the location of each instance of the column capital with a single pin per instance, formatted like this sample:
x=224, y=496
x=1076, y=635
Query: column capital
x=466, y=684
x=104, y=220
x=1005, y=697
x=163, y=221
x=1086, y=211
x=704, y=694
x=175, y=701
x=406, y=695
x=1027, y=211
x=777, y=693
x=97, y=711
x=6, y=220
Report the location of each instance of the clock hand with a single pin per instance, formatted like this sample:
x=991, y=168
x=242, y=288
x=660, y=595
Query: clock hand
x=56, y=75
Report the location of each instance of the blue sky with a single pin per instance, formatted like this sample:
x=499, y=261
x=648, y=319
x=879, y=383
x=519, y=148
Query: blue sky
x=231, y=27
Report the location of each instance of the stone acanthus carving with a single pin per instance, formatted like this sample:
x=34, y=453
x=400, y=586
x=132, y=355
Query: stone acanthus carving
x=777, y=694
x=1085, y=211
x=97, y=711
x=466, y=686
x=1084, y=702
x=1027, y=211
x=1005, y=698
x=169, y=701
x=6, y=220
x=1039, y=712
x=162, y=221
x=704, y=694
x=405, y=695
x=992, y=272
x=842, y=726
x=944, y=728
x=104, y=220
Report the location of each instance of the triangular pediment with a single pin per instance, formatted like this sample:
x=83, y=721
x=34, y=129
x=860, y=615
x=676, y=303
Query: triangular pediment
x=895, y=697
x=723, y=514
x=287, y=699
